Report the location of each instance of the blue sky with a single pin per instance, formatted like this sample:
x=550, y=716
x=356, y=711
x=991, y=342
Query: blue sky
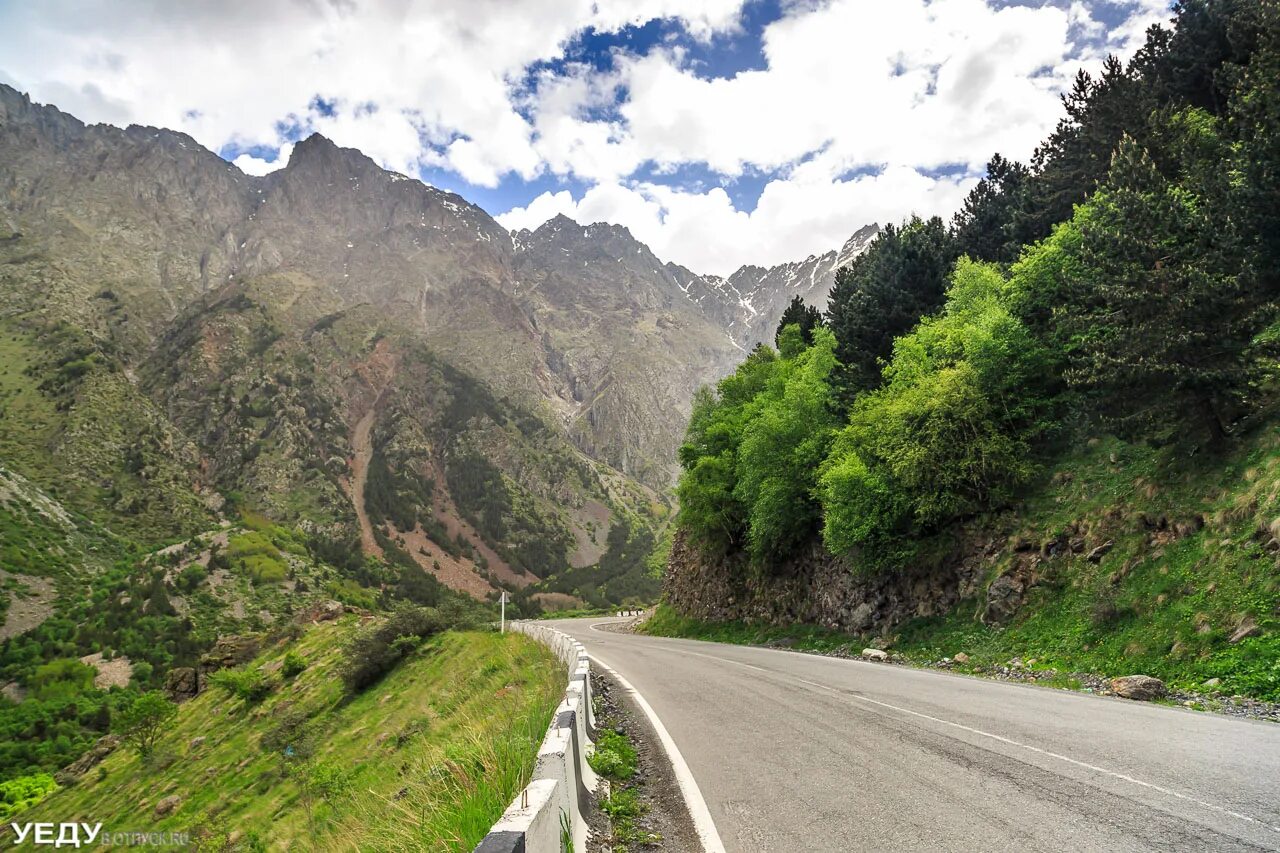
x=721, y=132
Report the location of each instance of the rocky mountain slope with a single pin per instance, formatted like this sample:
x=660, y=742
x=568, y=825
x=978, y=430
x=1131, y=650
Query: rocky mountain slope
x=341, y=346
x=748, y=304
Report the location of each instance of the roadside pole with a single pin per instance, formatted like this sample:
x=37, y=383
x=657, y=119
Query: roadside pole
x=503, y=599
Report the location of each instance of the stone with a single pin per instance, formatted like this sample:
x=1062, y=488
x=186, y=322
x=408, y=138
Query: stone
x=227, y=652
x=1247, y=628
x=324, y=611
x=961, y=657
x=1212, y=682
x=1004, y=597
x=101, y=749
x=181, y=683
x=196, y=742
x=1096, y=555
x=875, y=654
x=1138, y=687
x=862, y=617
x=167, y=805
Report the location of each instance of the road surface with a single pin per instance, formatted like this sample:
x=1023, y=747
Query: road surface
x=796, y=752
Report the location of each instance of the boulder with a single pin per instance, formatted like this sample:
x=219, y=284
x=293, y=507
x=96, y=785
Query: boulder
x=181, y=683
x=862, y=617
x=324, y=611
x=167, y=805
x=1004, y=597
x=1139, y=687
x=1247, y=628
x=101, y=749
x=227, y=652
x=961, y=657
x=1096, y=555
x=875, y=654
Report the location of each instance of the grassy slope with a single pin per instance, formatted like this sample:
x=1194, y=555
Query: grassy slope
x=435, y=751
x=1155, y=604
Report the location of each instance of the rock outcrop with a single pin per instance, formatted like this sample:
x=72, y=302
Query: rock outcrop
x=816, y=588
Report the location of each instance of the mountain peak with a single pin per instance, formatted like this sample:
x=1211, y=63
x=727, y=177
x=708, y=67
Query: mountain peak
x=318, y=151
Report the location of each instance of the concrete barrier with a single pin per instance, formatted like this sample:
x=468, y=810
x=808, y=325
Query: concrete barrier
x=549, y=811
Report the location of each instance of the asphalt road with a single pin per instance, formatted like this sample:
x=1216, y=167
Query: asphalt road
x=796, y=752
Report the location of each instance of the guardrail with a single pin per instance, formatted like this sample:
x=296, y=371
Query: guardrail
x=548, y=813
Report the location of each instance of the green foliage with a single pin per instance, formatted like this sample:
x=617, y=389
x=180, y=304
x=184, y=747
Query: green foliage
x=784, y=441
x=753, y=447
x=143, y=721
x=708, y=506
x=986, y=227
x=614, y=757
x=19, y=794
x=882, y=293
x=293, y=666
x=245, y=683
x=622, y=575
x=1152, y=255
x=377, y=650
x=61, y=679
x=952, y=431
x=805, y=317
x=505, y=517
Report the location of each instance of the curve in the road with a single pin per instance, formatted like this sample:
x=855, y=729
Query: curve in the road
x=801, y=752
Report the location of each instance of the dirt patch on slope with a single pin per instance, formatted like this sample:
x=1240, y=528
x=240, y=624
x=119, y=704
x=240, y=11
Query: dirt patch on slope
x=111, y=673
x=375, y=374
x=452, y=572
x=30, y=603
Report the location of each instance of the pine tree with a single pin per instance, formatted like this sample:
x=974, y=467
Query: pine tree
x=1161, y=315
x=985, y=227
x=798, y=313
x=883, y=293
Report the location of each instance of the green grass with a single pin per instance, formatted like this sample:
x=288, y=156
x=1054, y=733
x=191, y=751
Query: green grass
x=1157, y=603
x=426, y=759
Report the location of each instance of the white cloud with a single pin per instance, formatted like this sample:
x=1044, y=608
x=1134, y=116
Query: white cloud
x=251, y=165
x=794, y=217
x=895, y=93
x=230, y=72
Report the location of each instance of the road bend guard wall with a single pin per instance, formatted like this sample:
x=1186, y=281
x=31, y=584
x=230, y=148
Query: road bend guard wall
x=550, y=810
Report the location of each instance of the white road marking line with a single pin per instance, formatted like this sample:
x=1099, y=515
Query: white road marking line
x=702, y=821
x=1114, y=774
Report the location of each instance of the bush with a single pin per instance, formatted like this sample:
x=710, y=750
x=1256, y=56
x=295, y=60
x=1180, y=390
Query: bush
x=294, y=665
x=251, y=685
x=377, y=650
x=24, y=792
x=953, y=431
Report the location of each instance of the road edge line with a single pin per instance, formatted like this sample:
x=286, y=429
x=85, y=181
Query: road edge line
x=689, y=790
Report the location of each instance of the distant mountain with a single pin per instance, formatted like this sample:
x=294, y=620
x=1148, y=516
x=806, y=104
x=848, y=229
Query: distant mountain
x=342, y=346
x=749, y=303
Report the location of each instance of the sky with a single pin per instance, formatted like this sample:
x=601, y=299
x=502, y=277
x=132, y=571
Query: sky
x=721, y=132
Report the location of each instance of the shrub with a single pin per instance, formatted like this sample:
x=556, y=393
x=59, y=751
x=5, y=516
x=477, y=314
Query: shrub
x=968, y=396
x=294, y=665
x=23, y=792
x=615, y=757
x=377, y=650
x=251, y=685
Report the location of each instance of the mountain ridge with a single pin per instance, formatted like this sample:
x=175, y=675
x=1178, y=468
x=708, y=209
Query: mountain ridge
x=244, y=317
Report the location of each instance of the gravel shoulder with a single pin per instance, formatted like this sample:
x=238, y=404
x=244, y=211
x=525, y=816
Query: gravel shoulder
x=666, y=817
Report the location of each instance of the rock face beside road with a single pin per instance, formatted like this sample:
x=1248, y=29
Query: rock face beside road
x=817, y=589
